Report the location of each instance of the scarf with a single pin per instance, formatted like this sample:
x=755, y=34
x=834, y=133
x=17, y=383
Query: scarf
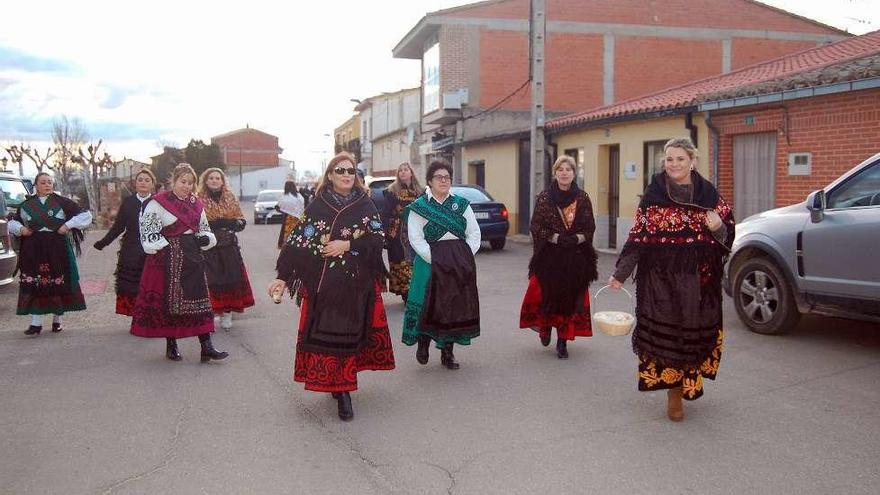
x=562, y=198
x=188, y=210
x=340, y=201
x=220, y=204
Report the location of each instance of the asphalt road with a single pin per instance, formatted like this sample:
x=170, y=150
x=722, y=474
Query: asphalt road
x=96, y=410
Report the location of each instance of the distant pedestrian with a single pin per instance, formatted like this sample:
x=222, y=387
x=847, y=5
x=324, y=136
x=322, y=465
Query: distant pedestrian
x=443, y=304
x=682, y=233
x=291, y=205
x=228, y=282
x=563, y=263
x=173, y=300
x=332, y=262
x=49, y=229
x=131, y=257
x=398, y=196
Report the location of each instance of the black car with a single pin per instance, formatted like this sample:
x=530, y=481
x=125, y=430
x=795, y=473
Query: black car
x=491, y=215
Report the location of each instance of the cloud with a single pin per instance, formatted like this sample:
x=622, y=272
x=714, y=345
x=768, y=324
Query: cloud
x=12, y=58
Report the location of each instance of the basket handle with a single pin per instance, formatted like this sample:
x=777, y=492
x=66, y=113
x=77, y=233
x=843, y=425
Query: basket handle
x=631, y=301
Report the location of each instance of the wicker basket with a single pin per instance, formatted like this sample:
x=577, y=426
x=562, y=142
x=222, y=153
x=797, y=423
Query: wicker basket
x=614, y=323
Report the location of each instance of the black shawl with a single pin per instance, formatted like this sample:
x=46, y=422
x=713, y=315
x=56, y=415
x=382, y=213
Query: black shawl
x=564, y=272
x=678, y=278
x=340, y=291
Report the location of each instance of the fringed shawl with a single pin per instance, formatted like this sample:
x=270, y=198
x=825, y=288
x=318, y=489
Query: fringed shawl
x=226, y=207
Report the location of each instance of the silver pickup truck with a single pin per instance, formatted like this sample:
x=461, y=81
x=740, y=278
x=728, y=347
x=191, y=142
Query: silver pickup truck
x=819, y=256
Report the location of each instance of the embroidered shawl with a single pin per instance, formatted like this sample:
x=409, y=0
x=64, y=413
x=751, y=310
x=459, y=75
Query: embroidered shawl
x=188, y=211
x=227, y=207
x=442, y=218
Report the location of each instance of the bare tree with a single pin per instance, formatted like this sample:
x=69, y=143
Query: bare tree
x=41, y=161
x=68, y=135
x=17, y=153
x=94, y=163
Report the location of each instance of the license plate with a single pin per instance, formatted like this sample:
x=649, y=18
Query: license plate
x=481, y=215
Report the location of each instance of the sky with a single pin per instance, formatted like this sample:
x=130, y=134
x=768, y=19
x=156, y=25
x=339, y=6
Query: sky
x=141, y=75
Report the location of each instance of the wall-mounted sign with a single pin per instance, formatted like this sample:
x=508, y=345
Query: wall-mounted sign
x=629, y=170
x=750, y=120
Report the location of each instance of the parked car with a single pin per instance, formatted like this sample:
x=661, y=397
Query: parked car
x=264, y=206
x=14, y=191
x=491, y=215
x=377, y=185
x=8, y=257
x=813, y=257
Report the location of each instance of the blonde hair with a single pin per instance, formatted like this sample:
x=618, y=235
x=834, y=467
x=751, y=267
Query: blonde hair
x=398, y=185
x=339, y=158
x=183, y=169
x=203, y=179
x=684, y=143
x=565, y=159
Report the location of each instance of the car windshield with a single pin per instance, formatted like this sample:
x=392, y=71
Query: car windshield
x=266, y=196
x=13, y=191
x=471, y=194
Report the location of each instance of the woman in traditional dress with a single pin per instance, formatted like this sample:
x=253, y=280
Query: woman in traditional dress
x=443, y=304
x=563, y=263
x=228, y=282
x=291, y=205
x=173, y=300
x=398, y=195
x=49, y=229
x=131, y=257
x=332, y=263
x=682, y=233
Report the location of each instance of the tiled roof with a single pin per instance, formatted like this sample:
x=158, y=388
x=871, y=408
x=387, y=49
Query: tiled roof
x=814, y=60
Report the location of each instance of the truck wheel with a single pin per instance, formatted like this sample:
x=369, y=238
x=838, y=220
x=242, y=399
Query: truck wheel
x=763, y=299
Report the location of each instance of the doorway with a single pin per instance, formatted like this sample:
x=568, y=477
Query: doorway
x=754, y=173
x=613, y=193
x=525, y=198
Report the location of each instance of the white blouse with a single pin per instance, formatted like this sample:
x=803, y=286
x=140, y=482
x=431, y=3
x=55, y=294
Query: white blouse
x=155, y=218
x=79, y=221
x=292, y=205
x=416, y=230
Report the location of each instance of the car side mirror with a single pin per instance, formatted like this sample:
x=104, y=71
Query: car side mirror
x=816, y=204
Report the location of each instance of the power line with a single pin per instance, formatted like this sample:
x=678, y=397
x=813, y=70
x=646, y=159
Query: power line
x=500, y=102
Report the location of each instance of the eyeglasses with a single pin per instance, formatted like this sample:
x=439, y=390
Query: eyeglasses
x=442, y=178
x=343, y=171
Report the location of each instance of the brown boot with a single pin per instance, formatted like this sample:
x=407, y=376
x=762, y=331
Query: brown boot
x=674, y=405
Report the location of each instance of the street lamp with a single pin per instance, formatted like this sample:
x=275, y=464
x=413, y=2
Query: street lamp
x=4, y=160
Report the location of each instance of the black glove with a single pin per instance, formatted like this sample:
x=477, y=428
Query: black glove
x=99, y=245
x=566, y=240
x=239, y=225
x=203, y=240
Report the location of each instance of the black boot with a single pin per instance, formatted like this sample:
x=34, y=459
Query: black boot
x=545, y=337
x=208, y=351
x=447, y=358
x=343, y=403
x=336, y=395
x=56, y=327
x=171, y=351
x=422, y=350
x=34, y=330
x=561, y=349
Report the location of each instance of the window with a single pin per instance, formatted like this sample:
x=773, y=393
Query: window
x=653, y=161
x=860, y=190
x=14, y=191
x=431, y=78
x=578, y=155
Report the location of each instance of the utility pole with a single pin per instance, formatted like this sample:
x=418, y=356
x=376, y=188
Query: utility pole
x=537, y=32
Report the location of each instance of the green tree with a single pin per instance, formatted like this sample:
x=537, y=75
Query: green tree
x=164, y=164
x=203, y=156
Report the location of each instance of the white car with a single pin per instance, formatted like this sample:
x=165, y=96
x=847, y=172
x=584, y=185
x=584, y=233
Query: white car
x=264, y=206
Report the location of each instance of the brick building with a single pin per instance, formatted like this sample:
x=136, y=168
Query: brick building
x=252, y=148
x=768, y=134
x=597, y=52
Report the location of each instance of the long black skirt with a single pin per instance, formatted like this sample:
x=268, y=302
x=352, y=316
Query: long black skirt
x=451, y=305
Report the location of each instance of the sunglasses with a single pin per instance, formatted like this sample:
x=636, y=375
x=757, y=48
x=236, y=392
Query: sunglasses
x=343, y=171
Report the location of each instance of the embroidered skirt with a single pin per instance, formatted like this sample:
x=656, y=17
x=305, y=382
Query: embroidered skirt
x=228, y=281
x=129, y=267
x=173, y=299
x=568, y=327
x=332, y=372
x=48, y=281
x=657, y=377
x=443, y=302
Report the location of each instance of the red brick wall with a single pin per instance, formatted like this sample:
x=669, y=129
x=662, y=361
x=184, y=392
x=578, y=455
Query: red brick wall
x=643, y=65
x=573, y=76
x=746, y=52
x=453, y=58
x=257, y=148
x=723, y=14
x=504, y=66
x=839, y=130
